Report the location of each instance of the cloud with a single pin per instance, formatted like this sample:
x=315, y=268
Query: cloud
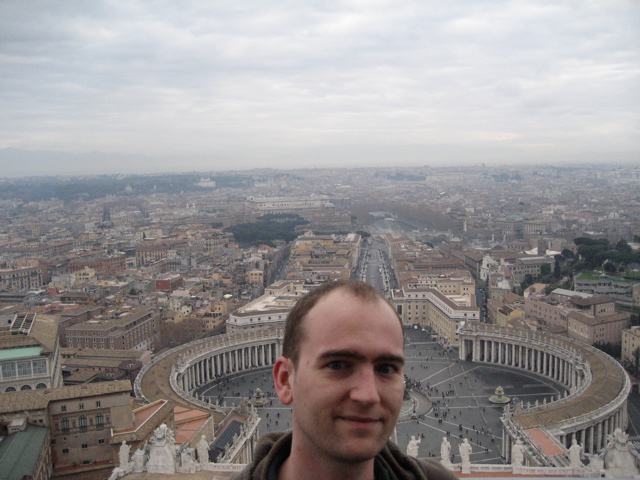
x=202, y=78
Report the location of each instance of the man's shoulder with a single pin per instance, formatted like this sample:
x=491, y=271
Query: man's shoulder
x=272, y=448
x=401, y=466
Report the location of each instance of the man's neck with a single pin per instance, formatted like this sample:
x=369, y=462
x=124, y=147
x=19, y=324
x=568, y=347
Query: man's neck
x=300, y=468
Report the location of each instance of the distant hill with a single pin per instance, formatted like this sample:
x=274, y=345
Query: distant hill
x=24, y=163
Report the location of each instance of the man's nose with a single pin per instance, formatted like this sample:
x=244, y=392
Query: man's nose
x=365, y=388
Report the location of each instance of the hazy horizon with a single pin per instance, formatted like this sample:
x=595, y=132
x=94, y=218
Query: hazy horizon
x=137, y=87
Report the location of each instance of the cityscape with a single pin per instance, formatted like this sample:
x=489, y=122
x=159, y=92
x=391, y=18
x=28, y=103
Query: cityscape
x=141, y=314
x=420, y=219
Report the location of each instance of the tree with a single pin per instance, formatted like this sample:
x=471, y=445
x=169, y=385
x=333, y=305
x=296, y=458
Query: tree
x=528, y=281
x=636, y=360
x=545, y=269
x=623, y=247
x=609, y=348
x=557, y=272
x=566, y=253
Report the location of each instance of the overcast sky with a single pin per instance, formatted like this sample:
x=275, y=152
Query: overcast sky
x=240, y=84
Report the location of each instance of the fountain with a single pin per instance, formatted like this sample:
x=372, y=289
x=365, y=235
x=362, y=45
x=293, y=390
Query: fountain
x=499, y=397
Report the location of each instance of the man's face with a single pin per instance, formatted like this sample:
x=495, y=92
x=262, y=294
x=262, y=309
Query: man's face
x=348, y=385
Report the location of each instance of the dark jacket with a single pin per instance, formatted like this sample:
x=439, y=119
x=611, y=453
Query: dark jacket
x=390, y=464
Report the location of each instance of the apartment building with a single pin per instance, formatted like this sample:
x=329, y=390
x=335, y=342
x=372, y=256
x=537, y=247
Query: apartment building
x=29, y=353
x=136, y=329
x=169, y=282
x=584, y=317
x=630, y=343
x=73, y=316
x=269, y=309
x=27, y=278
x=107, y=265
x=502, y=309
x=446, y=314
x=147, y=254
x=623, y=291
x=80, y=421
x=276, y=205
x=94, y=364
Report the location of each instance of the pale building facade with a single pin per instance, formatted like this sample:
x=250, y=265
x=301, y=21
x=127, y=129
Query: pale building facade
x=630, y=343
x=30, y=356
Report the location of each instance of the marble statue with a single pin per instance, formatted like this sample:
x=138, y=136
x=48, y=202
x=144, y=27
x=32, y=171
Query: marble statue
x=139, y=460
x=619, y=461
x=203, y=450
x=465, y=453
x=162, y=451
x=186, y=461
x=575, y=451
x=123, y=454
x=412, y=447
x=517, y=454
x=445, y=451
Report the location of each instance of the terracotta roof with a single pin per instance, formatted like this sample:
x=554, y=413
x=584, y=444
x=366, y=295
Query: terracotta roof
x=146, y=419
x=103, y=353
x=43, y=332
x=591, y=300
x=91, y=362
x=39, y=399
x=591, y=320
x=547, y=445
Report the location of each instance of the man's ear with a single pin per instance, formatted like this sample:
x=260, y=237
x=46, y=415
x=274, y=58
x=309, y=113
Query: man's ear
x=283, y=378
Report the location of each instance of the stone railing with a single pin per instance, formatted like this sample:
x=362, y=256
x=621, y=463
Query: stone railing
x=248, y=430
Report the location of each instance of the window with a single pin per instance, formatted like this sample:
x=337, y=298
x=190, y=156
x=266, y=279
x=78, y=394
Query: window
x=63, y=408
x=85, y=445
x=82, y=422
x=39, y=366
x=98, y=404
x=101, y=441
x=81, y=406
x=99, y=419
x=64, y=424
x=65, y=451
x=8, y=370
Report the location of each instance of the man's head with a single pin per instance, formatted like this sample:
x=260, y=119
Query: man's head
x=294, y=324
x=343, y=373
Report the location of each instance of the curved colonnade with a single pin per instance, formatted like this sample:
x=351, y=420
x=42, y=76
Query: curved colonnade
x=592, y=407
x=206, y=360
x=595, y=400
x=202, y=361
x=226, y=355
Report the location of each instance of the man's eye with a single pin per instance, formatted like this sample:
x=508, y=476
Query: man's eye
x=337, y=365
x=387, y=369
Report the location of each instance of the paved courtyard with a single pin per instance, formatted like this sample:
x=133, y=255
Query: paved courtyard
x=458, y=407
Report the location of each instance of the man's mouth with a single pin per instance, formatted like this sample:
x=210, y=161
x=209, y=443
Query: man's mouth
x=360, y=421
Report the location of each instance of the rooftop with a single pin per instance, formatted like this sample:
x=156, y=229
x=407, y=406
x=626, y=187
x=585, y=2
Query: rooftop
x=19, y=452
x=39, y=399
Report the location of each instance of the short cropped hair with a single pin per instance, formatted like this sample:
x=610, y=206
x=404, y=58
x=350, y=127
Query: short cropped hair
x=293, y=326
